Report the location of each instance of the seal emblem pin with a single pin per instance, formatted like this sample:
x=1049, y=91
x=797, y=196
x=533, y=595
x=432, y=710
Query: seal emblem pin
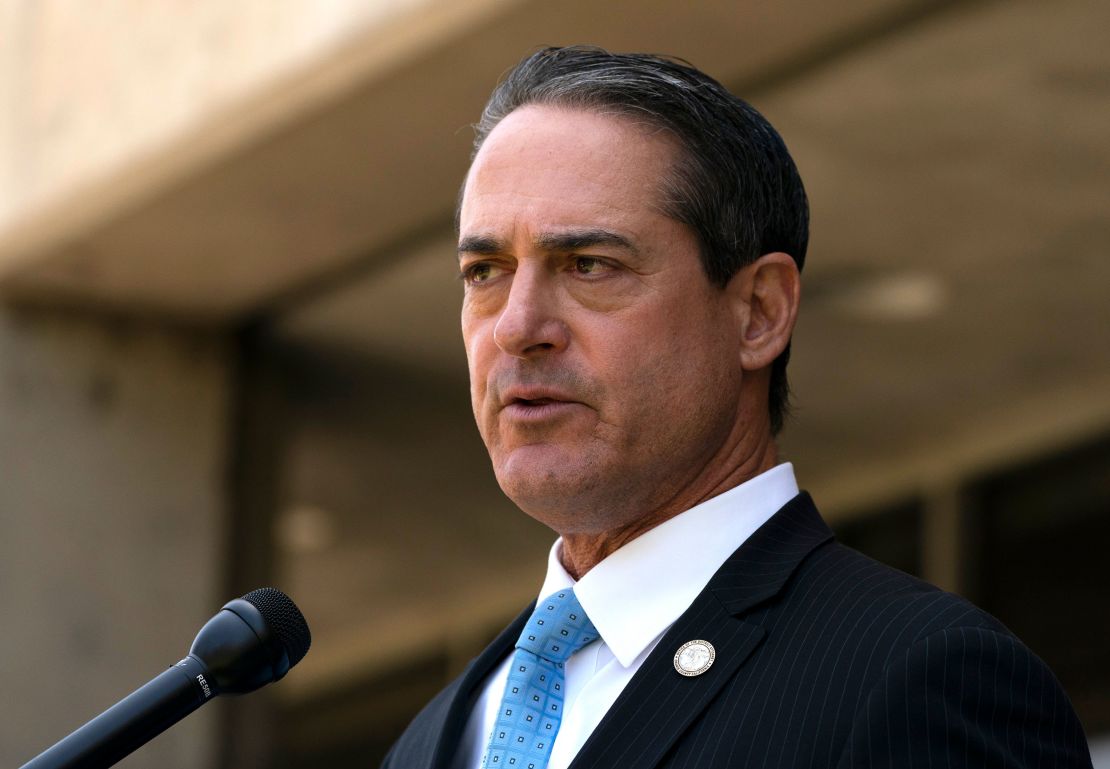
x=694, y=657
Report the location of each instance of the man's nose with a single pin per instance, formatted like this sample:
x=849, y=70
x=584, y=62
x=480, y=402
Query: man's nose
x=531, y=322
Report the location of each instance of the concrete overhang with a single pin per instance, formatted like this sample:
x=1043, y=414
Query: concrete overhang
x=360, y=149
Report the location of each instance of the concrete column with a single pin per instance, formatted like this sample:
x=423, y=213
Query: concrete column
x=112, y=464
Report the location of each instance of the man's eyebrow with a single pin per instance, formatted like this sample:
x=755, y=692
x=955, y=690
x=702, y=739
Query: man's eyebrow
x=558, y=242
x=577, y=240
x=481, y=245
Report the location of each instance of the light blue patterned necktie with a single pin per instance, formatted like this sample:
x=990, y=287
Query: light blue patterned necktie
x=532, y=706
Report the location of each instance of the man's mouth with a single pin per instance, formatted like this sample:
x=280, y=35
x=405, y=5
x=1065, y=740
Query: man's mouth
x=535, y=401
x=533, y=396
x=537, y=409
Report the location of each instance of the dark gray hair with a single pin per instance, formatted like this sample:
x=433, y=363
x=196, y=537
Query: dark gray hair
x=735, y=184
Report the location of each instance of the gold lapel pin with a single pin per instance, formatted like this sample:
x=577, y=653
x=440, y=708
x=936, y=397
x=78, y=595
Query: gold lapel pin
x=694, y=658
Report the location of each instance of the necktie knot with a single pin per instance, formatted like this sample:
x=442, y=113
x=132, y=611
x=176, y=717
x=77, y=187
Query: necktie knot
x=557, y=628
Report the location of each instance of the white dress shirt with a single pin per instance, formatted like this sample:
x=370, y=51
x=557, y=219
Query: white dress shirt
x=633, y=597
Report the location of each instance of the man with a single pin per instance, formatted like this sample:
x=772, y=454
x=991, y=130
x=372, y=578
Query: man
x=630, y=239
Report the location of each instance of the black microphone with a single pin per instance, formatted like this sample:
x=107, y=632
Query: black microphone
x=252, y=641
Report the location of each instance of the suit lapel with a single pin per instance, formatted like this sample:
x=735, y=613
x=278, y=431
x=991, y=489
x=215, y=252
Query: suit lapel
x=470, y=686
x=659, y=704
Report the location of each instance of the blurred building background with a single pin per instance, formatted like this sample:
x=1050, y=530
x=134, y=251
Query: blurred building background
x=229, y=352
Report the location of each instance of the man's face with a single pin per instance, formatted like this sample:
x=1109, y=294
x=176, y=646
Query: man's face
x=604, y=367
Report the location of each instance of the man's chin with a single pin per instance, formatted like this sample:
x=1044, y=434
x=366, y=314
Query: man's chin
x=544, y=476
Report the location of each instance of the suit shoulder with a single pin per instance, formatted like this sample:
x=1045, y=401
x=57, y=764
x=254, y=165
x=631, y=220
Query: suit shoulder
x=957, y=691
x=879, y=601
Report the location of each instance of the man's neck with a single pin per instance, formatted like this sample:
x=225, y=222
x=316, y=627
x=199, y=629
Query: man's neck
x=580, y=552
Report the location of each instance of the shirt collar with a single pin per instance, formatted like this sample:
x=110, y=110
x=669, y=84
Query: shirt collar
x=638, y=591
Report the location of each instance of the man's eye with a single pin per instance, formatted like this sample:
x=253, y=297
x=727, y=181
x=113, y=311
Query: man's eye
x=588, y=265
x=479, y=272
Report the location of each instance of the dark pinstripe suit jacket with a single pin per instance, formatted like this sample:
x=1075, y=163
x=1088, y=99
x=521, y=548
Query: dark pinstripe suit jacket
x=825, y=658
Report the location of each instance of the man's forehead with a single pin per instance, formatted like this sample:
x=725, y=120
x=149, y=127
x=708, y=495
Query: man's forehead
x=554, y=170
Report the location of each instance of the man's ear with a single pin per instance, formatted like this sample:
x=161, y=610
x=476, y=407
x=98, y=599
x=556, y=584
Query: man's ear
x=765, y=295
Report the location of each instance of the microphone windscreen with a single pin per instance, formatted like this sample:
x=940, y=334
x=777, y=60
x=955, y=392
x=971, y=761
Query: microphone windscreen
x=284, y=618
